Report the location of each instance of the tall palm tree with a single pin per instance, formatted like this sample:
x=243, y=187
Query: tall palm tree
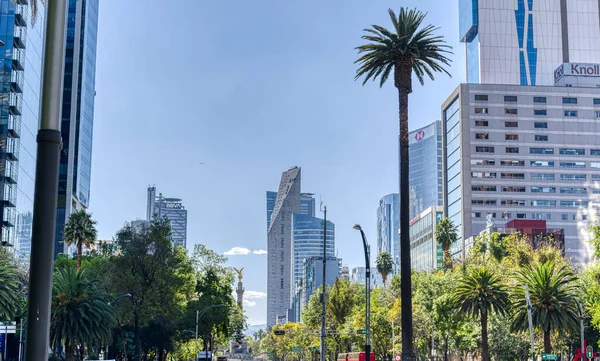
x=81, y=231
x=385, y=265
x=9, y=290
x=553, y=292
x=408, y=47
x=446, y=233
x=479, y=293
x=80, y=313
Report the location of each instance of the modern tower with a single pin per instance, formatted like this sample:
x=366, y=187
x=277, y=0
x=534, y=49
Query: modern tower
x=388, y=225
x=523, y=41
x=77, y=113
x=172, y=209
x=21, y=65
x=279, y=245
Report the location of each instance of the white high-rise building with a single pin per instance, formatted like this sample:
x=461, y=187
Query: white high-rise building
x=523, y=41
x=525, y=152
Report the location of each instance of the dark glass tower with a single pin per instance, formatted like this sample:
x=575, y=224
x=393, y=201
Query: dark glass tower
x=77, y=113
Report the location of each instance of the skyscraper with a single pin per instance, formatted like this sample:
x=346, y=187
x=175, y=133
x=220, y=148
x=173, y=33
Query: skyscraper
x=279, y=245
x=388, y=224
x=159, y=207
x=425, y=173
x=523, y=41
x=271, y=199
x=20, y=82
x=77, y=112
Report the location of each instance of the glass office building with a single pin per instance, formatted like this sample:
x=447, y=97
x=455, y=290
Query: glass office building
x=425, y=252
x=77, y=113
x=388, y=224
x=271, y=198
x=425, y=177
x=159, y=207
x=19, y=106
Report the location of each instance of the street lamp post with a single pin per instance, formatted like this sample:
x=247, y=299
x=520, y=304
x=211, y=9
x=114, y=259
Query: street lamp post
x=46, y=183
x=367, y=291
x=198, y=315
x=115, y=301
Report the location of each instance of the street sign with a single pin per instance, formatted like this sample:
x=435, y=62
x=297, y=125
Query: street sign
x=589, y=352
x=361, y=332
x=279, y=332
x=397, y=357
x=549, y=356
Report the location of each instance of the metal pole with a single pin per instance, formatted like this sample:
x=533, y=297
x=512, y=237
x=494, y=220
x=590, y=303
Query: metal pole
x=368, y=316
x=21, y=341
x=197, y=317
x=530, y=319
x=582, y=332
x=393, y=341
x=5, y=340
x=324, y=284
x=46, y=184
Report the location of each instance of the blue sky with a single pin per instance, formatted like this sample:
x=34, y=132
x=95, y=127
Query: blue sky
x=249, y=88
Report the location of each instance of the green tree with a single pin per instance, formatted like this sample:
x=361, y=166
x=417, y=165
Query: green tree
x=9, y=288
x=409, y=47
x=553, y=291
x=595, y=240
x=479, y=293
x=385, y=265
x=80, y=230
x=446, y=233
x=80, y=312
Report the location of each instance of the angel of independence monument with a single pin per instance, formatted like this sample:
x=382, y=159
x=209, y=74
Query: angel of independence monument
x=240, y=348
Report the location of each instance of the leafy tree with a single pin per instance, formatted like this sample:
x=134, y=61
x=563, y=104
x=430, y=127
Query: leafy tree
x=80, y=230
x=80, y=313
x=553, y=292
x=479, y=293
x=595, y=240
x=446, y=233
x=9, y=289
x=158, y=276
x=409, y=47
x=385, y=265
x=344, y=297
x=505, y=344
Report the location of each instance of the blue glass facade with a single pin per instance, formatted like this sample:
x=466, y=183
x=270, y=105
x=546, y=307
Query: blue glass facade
x=77, y=112
x=271, y=198
x=527, y=51
x=388, y=224
x=468, y=12
x=453, y=164
x=20, y=61
x=307, y=241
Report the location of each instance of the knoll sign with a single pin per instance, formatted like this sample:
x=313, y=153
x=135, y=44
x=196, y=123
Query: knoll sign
x=576, y=69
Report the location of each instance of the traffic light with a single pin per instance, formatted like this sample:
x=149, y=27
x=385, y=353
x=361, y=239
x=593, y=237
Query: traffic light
x=590, y=354
x=361, y=332
x=279, y=332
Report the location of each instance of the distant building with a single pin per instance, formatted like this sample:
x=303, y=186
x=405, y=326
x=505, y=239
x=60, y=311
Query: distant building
x=425, y=252
x=535, y=233
x=388, y=224
x=271, y=198
x=172, y=209
x=359, y=275
x=345, y=272
x=312, y=279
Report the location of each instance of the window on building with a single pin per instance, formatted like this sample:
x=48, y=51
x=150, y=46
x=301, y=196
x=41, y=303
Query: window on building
x=564, y=217
x=572, y=164
x=541, y=163
x=511, y=124
x=481, y=123
x=573, y=203
x=543, y=125
x=484, y=149
x=540, y=216
x=512, y=175
x=596, y=177
x=481, y=110
x=569, y=100
x=510, y=111
x=521, y=215
x=571, y=151
x=594, y=151
x=506, y=215
x=510, y=98
x=481, y=97
x=539, y=99
x=474, y=215
x=513, y=203
x=483, y=175
x=485, y=162
x=596, y=191
x=572, y=190
x=597, y=114
x=595, y=165
x=596, y=101
x=512, y=150
x=543, y=203
x=584, y=217
x=541, y=138
x=483, y=188
x=543, y=190
x=511, y=137
x=540, y=112
x=542, y=176
x=482, y=136
x=573, y=177
x=513, y=189
x=541, y=151
x=570, y=113
x=512, y=163
x=483, y=202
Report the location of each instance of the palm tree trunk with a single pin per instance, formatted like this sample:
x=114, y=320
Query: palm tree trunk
x=447, y=259
x=79, y=253
x=547, y=344
x=484, y=337
x=69, y=351
x=403, y=81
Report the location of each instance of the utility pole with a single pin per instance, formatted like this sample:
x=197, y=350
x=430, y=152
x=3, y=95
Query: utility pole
x=324, y=210
x=367, y=249
x=46, y=183
x=582, y=332
x=530, y=319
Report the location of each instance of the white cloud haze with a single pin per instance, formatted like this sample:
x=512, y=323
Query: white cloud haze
x=254, y=295
x=237, y=251
x=249, y=303
x=260, y=251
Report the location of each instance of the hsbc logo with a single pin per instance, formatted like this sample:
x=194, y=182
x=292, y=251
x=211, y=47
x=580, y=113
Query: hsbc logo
x=420, y=135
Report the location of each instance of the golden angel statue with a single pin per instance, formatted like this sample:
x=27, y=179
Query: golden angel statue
x=239, y=272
